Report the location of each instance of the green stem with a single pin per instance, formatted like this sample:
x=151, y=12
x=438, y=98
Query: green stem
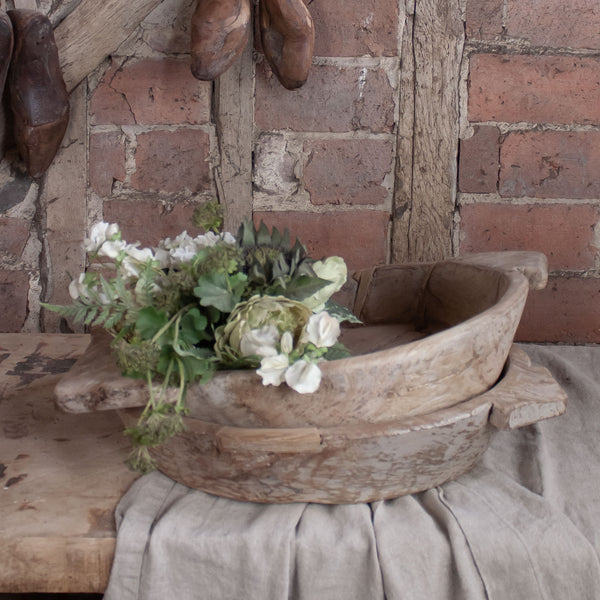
x=170, y=322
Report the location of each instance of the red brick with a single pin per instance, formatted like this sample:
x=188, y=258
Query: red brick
x=555, y=23
x=147, y=222
x=150, y=92
x=14, y=233
x=567, y=311
x=564, y=233
x=360, y=237
x=480, y=161
x=172, y=161
x=539, y=89
x=333, y=99
x=550, y=164
x=355, y=27
x=484, y=19
x=14, y=288
x=347, y=171
x=106, y=161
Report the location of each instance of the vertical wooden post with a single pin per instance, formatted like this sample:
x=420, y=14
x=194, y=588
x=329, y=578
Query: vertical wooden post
x=425, y=191
x=234, y=117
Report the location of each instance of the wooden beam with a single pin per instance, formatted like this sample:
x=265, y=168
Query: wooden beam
x=93, y=30
x=234, y=117
x=428, y=133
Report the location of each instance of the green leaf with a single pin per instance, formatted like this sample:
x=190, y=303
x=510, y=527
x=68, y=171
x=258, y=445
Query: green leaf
x=213, y=290
x=150, y=321
x=193, y=327
x=220, y=290
x=304, y=286
x=336, y=352
x=341, y=313
x=263, y=236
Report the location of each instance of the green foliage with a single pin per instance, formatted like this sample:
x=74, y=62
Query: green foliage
x=209, y=216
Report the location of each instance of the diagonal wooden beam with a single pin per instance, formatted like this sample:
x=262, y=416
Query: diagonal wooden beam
x=93, y=31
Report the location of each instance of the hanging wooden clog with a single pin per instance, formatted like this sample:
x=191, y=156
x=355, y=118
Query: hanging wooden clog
x=288, y=38
x=220, y=31
x=38, y=95
x=6, y=48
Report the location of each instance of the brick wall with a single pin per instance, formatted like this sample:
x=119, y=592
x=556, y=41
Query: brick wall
x=324, y=156
x=530, y=152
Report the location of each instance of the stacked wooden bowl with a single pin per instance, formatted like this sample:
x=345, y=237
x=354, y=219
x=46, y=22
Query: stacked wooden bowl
x=433, y=372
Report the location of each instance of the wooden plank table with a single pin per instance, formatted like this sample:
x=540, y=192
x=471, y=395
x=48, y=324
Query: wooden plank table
x=61, y=475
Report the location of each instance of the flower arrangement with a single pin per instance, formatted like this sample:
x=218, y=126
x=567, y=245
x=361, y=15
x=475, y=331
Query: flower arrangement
x=192, y=305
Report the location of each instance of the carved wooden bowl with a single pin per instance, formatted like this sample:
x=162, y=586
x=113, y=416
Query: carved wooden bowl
x=406, y=412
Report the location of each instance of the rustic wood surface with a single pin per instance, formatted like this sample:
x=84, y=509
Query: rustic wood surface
x=234, y=118
x=61, y=475
x=359, y=462
x=474, y=309
x=107, y=24
x=424, y=199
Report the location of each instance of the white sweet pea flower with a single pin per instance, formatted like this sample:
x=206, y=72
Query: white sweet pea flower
x=303, y=377
x=100, y=233
x=273, y=369
x=260, y=342
x=228, y=238
x=322, y=330
x=332, y=269
x=111, y=248
x=78, y=288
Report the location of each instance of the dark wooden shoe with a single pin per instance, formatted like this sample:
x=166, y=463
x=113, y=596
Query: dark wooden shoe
x=38, y=95
x=220, y=31
x=6, y=48
x=288, y=39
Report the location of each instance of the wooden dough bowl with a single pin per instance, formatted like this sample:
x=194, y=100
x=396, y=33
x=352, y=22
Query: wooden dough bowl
x=410, y=409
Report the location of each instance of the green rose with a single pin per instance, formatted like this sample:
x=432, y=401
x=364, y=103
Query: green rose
x=257, y=313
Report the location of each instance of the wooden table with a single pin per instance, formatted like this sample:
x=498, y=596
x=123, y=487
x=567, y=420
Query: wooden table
x=61, y=475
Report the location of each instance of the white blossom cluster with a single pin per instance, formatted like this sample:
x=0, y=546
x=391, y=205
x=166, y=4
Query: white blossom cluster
x=275, y=349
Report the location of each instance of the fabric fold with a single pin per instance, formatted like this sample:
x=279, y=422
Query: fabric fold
x=524, y=524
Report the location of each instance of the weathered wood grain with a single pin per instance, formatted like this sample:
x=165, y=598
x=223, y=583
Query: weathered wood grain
x=234, y=117
x=527, y=394
x=358, y=462
x=106, y=25
x=428, y=133
x=61, y=475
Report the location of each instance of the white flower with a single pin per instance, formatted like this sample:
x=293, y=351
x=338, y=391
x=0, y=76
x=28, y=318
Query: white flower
x=142, y=255
x=99, y=233
x=322, y=330
x=78, y=288
x=111, y=248
x=332, y=269
x=287, y=342
x=207, y=239
x=304, y=377
x=228, y=238
x=162, y=257
x=273, y=369
x=260, y=342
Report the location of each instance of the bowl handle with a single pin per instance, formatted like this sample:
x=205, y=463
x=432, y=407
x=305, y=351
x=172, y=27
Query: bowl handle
x=534, y=265
x=525, y=395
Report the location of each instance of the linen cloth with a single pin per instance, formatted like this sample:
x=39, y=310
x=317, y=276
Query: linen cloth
x=524, y=524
